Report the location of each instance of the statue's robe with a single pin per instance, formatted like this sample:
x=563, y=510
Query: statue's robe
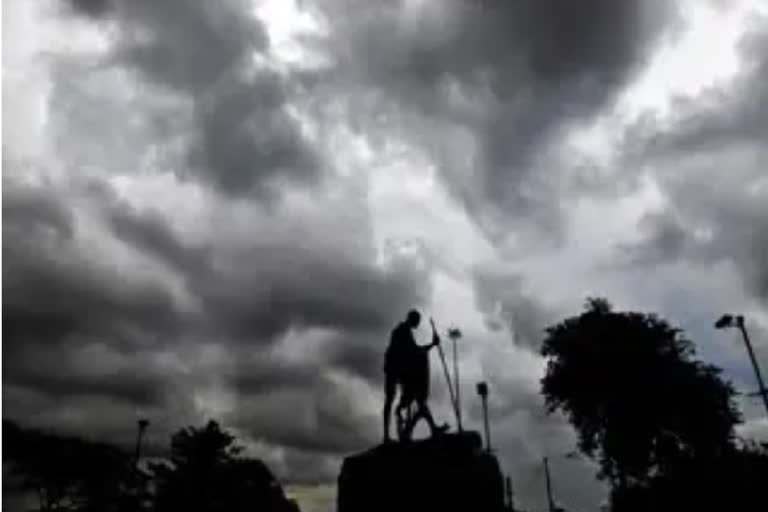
x=415, y=379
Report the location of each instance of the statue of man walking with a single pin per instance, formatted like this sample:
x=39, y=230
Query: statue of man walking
x=407, y=364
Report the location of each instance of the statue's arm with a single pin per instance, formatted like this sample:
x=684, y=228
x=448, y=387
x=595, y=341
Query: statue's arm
x=435, y=342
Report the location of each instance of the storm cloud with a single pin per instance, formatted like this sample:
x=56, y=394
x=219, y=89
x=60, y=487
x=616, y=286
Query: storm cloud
x=220, y=209
x=710, y=159
x=488, y=88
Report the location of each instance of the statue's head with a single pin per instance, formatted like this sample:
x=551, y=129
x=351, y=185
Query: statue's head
x=413, y=319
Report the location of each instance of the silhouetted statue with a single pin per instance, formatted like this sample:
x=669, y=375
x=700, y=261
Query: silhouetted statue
x=447, y=473
x=407, y=364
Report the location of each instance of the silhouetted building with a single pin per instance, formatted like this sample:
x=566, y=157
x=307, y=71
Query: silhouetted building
x=448, y=473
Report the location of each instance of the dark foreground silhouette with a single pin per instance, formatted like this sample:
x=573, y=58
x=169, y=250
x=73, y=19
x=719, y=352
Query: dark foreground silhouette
x=660, y=424
x=204, y=472
x=406, y=366
x=447, y=473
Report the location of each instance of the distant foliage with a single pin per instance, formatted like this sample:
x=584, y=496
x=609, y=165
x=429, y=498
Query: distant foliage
x=204, y=472
x=641, y=404
x=66, y=474
x=734, y=481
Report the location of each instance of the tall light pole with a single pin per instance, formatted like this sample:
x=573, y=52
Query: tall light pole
x=510, y=494
x=455, y=334
x=550, y=500
x=136, y=492
x=737, y=321
x=143, y=424
x=454, y=403
x=482, y=390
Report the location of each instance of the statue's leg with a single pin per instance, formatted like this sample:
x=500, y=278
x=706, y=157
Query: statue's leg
x=414, y=415
x=427, y=414
x=401, y=419
x=403, y=412
x=390, y=388
x=405, y=419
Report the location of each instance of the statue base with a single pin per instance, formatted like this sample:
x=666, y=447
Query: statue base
x=447, y=473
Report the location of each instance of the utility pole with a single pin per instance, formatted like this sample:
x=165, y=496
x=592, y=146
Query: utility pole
x=135, y=493
x=760, y=383
x=510, y=494
x=455, y=334
x=550, y=501
x=738, y=321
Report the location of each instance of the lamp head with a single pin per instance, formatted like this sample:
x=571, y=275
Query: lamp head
x=454, y=333
x=724, y=322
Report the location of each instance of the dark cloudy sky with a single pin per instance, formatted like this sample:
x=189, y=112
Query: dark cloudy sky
x=221, y=208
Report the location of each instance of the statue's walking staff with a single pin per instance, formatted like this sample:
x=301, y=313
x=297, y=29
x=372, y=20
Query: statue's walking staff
x=445, y=370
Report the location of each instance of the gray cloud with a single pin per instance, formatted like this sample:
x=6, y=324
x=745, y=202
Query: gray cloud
x=168, y=245
x=734, y=115
x=60, y=306
x=85, y=267
x=326, y=418
x=242, y=138
x=53, y=290
x=710, y=161
x=269, y=284
x=246, y=283
x=667, y=240
x=361, y=353
x=261, y=374
x=506, y=304
x=91, y=369
x=94, y=8
x=487, y=87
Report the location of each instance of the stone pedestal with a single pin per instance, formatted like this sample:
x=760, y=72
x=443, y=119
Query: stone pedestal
x=444, y=474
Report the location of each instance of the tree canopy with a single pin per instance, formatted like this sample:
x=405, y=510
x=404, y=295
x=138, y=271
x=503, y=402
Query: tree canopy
x=65, y=472
x=207, y=472
x=734, y=481
x=640, y=402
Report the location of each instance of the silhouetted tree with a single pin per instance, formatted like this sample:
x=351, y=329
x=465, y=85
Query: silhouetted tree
x=641, y=405
x=207, y=473
x=66, y=473
x=734, y=481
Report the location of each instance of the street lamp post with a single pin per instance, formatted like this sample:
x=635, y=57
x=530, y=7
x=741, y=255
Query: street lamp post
x=550, y=500
x=454, y=334
x=143, y=424
x=553, y=507
x=510, y=494
x=482, y=390
x=730, y=321
x=135, y=494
